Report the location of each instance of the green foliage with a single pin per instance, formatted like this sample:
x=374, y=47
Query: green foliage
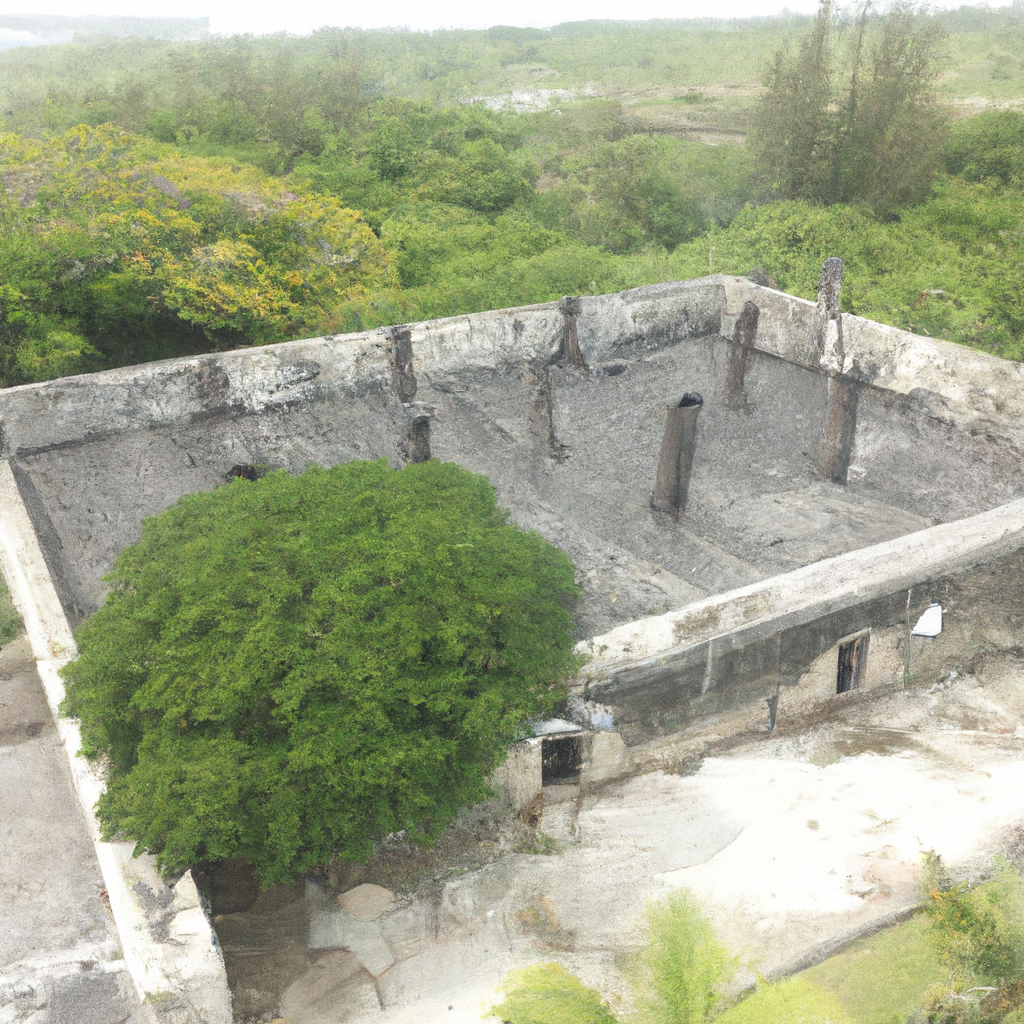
x=884, y=976
x=990, y=145
x=549, y=994
x=57, y=354
x=295, y=186
x=10, y=621
x=790, y=1001
x=645, y=190
x=948, y=267
x=294, y=667
x=115, y=248
x=857, y=123
x=682, y=965
x=980, y=1005
x=978, y=930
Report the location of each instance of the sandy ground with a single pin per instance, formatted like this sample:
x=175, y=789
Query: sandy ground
x=791, y=841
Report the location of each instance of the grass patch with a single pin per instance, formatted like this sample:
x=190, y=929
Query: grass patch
x=790, y=1001
x=885, y=976
x=10, y=621
x=549, y=994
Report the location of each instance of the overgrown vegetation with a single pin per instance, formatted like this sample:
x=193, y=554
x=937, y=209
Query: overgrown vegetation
x=291, y=668
x=240, y=191
x=676, y=978
x=680, y=970
x=978, y=930
x=885, y=976
x=549, y=994
x=852, y=119
x=130, y=251
x=11, y=625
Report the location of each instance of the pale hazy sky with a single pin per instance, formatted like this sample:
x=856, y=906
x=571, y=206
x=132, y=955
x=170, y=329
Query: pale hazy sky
x=302, y=16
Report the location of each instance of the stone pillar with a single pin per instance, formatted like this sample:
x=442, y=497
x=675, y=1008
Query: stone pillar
x=400, y=353
x=571, y=353
x=676, y=462
x=742, y=342
x=840, y=425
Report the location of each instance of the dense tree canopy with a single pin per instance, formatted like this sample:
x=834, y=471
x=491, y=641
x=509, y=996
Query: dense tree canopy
x=293, y=667
x=117, y=249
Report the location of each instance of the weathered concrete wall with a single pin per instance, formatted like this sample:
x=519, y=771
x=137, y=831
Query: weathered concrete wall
x=572, y=450
x=939, y=428
x=767, y=654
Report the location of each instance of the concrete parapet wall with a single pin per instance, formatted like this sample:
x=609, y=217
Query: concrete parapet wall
x=808, y=593
x=178, y=392
x=975, y=391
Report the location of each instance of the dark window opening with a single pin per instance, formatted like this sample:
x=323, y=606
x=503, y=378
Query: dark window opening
x=853, y=656
x=560, y=760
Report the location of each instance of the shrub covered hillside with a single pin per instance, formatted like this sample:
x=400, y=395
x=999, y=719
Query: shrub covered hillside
x=163, y=198
x=118, y=250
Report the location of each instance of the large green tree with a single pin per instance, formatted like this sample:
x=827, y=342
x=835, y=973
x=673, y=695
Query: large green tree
x=291, y=668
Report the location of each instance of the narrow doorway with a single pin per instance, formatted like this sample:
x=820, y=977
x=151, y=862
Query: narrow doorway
x=853, y=656
x=561, y=759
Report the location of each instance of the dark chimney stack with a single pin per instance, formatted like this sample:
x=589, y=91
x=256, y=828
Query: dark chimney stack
x=676, y=460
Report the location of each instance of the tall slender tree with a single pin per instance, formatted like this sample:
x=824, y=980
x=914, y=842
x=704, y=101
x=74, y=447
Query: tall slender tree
x=850, y=117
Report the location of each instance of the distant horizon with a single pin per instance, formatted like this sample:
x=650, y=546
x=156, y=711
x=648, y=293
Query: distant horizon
x=301, y=17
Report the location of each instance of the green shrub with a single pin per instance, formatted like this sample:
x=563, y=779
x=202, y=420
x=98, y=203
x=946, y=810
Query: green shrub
x=58, y=354
x=295, y=666
x=10, y=621
x=988, y=145
x=682, y=965
x=979, y=930
x=549, y=994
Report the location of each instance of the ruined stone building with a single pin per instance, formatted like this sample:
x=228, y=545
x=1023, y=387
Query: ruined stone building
x=773, y=506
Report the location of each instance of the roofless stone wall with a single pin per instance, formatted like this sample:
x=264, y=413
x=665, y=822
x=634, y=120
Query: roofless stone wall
x=837, y=475
x=562, y=405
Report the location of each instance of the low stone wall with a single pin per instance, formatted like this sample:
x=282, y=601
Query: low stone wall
x=765, y=656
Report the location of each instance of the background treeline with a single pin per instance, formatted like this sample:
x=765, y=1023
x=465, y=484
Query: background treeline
x=48, y=29
x=167, y=197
